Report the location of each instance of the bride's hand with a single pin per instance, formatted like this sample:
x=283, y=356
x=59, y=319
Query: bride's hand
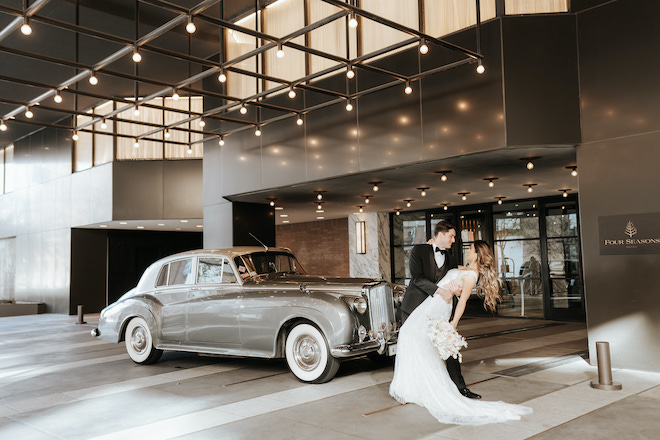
x=445, y=294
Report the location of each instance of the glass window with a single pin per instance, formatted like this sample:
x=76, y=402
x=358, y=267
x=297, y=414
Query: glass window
x=375, y=36
x=261, y=263
x=239, y=43
x=561, y=219
x=281, y=18
x=103, y=139
x=2, y=171
x=181, y=272
x=518, y=254
x=408, y=229
x=513, y=7
x=83, y=147
x=329, y=38
x=447, y=16
x=9, y=169
x=215, y=270
x=162, y=276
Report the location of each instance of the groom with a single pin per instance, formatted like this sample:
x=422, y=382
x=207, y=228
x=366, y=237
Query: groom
x=428, y=264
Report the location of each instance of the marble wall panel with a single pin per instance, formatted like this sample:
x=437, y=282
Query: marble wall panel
x=375, y=263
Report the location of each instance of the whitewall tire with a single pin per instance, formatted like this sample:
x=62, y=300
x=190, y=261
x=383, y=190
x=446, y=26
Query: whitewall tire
x=308, y=355
x=139, y=342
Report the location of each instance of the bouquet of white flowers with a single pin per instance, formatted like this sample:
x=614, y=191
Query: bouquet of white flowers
x=446, y=339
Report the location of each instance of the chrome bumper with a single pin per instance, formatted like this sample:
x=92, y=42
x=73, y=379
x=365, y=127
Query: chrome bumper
x=351, y=350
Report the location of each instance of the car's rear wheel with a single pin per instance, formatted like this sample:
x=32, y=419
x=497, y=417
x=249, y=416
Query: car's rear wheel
x=308, y=355
x=139, y=343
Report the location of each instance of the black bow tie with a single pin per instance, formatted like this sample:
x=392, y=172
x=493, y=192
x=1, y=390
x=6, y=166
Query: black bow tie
x=442, y=251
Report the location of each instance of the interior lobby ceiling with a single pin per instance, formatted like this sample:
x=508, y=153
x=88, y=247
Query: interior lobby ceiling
x=72, y=39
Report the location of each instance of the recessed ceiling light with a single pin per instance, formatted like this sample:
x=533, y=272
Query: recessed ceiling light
x=103, y=226
x=284, y=215
x=161, y=224
x=184, y=221
x=140, y=227
x=123, y=223
x=200, y=226
x=285, y=221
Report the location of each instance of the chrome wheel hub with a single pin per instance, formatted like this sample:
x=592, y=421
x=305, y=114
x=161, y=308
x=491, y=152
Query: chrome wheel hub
x=139, y=339
x=307, y=353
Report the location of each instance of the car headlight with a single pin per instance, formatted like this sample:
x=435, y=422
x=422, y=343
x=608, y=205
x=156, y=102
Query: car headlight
x=360, y=305
x=356, y=303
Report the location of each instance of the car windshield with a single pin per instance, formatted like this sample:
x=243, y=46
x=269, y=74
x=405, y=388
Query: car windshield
x=260, y=263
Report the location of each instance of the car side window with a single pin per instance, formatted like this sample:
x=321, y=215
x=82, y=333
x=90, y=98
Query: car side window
x=215, y=270
x=181, y=272
x=228, y=275
x=162, y=276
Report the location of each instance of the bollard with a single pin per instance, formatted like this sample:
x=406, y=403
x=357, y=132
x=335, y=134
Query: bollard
x=604, y=369
x=80, y=315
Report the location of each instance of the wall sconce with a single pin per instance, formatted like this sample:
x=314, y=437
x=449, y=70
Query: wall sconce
x=360, y=237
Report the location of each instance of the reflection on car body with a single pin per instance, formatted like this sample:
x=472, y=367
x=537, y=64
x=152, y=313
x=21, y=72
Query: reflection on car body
x=254, y=302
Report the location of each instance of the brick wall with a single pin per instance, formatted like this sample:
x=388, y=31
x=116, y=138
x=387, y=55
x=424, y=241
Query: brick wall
x=321, y=246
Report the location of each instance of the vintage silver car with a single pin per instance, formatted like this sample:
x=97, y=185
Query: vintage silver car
x=256, y=302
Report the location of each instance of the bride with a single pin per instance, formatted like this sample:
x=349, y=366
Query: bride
x=420, y=375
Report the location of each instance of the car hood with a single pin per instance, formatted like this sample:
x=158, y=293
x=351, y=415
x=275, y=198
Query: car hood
x=311, y=282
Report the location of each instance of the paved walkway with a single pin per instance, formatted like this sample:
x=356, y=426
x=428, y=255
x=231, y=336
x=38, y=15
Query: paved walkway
x=57, y=382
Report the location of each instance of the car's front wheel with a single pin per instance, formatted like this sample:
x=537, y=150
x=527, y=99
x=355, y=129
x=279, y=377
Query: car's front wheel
x=308, y=355
x=139, y=343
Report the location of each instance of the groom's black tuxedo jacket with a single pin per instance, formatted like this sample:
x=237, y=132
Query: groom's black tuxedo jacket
x=424, y=273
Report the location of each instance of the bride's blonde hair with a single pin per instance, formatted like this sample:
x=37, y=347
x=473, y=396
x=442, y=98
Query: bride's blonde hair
x=489, y=284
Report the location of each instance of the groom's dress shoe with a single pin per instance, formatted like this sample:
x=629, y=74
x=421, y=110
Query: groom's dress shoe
x=467, y=393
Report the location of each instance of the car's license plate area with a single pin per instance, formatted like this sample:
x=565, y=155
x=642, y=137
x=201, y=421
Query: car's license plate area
x=391, y=350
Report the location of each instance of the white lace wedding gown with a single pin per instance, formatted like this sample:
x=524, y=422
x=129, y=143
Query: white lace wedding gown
x=421, y=377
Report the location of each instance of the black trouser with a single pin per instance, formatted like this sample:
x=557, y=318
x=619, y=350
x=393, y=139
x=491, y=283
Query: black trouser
x=453, y=366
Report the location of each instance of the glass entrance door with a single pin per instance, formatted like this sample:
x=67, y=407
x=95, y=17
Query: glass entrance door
x=564, y=299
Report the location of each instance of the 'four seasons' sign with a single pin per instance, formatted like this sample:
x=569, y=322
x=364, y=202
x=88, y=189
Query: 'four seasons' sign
x=629, y=234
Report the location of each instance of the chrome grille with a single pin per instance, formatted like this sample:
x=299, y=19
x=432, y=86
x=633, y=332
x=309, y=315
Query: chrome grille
x=381, y=309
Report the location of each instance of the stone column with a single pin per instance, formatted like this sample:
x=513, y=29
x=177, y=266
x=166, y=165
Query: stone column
x=376, y=262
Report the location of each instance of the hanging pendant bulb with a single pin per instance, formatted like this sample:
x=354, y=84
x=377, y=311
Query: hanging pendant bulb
x=25, y=28
x=280, y=51
x=423, y=47
x=221, y=142
x=28, y=113
x=352, y=22
x=57, y=98
x=75, y=136
x=3, y=126
x=350, y=73
x=93, y=80
x=167, y=133
x=408, y=90
x=190, y=27
x=136, y=55
x=222, y=77
x=103, y=124
x=175, y=96
x=480, y=68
